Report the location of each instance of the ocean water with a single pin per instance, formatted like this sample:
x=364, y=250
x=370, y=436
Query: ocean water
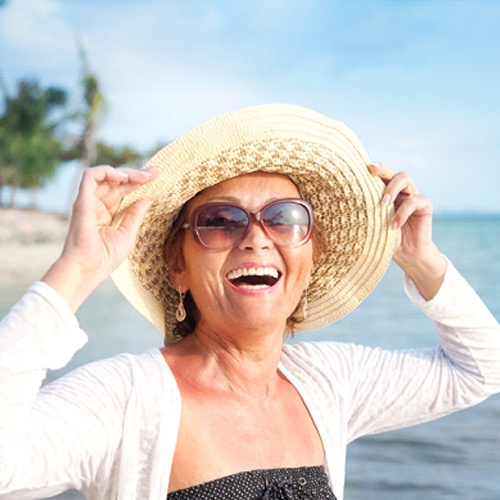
x=455, y=457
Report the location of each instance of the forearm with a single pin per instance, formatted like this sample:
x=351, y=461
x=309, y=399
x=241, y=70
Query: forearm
x=72, y=281
x=398, y=389
x=65, y=434
x=38, y=334
x=469, y=333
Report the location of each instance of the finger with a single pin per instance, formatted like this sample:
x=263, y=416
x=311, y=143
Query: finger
x=103, y=174
x=109, y=185
x=396, y=183
x=126, y=179
x=133, y=218
x=381, y=170
x=135, y=179
x=140, y=176
x=400, y=184
x=96, y=183
x=416, y=205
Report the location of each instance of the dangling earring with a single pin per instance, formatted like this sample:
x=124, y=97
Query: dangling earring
x=180, y=314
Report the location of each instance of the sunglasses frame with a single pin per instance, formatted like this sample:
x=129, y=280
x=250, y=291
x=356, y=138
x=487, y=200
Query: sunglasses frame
x=253, y=217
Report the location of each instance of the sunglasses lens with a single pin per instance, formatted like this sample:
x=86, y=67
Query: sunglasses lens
x=287, y=223
x=219, y=227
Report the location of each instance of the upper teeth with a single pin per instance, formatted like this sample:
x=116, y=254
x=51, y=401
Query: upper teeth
x=253, y=271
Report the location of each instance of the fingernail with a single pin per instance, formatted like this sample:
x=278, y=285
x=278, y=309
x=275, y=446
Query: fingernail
x=148, y=169
x=386, y=200
x=394, y=225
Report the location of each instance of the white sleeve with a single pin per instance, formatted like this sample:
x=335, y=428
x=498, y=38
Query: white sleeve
x=393, y=389
x=469, y=334
x=39, y=333
x=49, y=437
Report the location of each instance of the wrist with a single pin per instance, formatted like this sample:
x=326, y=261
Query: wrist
x=427, y=272
x=72, y=281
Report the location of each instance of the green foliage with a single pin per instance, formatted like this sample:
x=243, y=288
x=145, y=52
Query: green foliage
x=117, y=156
x=29, y=143
x=34, y=133
x=106, y=154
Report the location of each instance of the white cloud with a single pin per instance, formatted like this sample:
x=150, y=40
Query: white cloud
x=28, y=26
x=418, y=84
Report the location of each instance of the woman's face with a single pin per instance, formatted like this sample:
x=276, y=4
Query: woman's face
x=224, y=298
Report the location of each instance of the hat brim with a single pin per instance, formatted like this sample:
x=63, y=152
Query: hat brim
x=329, y=166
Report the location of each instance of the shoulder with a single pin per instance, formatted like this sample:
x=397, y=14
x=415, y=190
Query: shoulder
x=328, y=361
x=317, y=353
x=322, y=359
x=118, y=377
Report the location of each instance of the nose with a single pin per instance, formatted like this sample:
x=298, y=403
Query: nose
x=255, y=237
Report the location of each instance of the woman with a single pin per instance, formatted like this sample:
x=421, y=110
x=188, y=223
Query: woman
x=261, y=222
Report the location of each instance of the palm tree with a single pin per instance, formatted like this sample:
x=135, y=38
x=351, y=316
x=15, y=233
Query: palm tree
x=29, y=143
x=87, y=148
x=92, y=114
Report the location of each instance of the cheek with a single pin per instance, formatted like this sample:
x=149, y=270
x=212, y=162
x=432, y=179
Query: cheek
x=202, y=272
x=300, y=263
x=307, y=257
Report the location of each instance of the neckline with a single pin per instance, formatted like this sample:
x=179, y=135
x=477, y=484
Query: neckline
x=266, y=475
x=297, y=380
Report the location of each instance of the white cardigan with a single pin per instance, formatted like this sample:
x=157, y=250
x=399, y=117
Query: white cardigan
x=110, y=428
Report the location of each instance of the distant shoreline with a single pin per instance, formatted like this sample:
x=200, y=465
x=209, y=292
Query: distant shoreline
x=466, y=215
x=30, y=240
x=29, y=226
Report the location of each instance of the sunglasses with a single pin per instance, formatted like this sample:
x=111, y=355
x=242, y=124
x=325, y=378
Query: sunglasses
x=220, y=226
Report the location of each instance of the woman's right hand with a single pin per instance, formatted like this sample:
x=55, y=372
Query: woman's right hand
x=93, y=248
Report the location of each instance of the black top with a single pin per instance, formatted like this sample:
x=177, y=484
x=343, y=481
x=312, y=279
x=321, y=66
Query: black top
x=267, y=484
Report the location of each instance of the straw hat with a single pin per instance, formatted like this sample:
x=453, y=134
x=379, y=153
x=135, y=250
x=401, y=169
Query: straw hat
x=327, y=163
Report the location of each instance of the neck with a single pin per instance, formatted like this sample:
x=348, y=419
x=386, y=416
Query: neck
x=244, y=364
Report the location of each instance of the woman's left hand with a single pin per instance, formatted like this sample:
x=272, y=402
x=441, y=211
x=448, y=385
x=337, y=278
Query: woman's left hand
x=415, y=251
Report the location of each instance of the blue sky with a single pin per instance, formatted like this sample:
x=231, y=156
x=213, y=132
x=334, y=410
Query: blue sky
x=418, y=81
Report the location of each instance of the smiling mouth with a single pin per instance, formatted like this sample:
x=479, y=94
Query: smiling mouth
x=254, y=277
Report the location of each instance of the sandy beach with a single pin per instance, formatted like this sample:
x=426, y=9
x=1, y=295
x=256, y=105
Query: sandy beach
x=30, y=240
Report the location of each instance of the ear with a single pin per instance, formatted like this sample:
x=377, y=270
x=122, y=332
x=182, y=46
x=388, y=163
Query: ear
x=175, y=271
x=178, y=281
